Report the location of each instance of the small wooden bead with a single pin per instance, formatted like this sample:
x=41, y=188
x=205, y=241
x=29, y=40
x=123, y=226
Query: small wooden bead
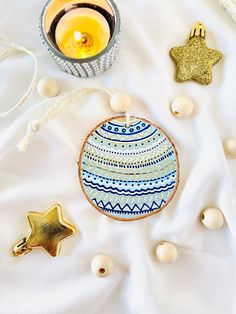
x=102, y=265
x=182, y=107
x=230, y=148
x=120, y=102
x=212, y=218
x=48, y=87
x=166, y=252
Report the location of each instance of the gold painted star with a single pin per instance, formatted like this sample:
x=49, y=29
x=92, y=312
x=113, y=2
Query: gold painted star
x=47, y=230
x=195, y=60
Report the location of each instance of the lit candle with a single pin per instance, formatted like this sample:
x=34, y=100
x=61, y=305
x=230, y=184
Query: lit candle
x=82, y=36
x=82, y=33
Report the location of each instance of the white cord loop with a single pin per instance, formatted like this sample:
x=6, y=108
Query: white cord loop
x=230, y=6
x=58, y=107
x=128, y=121
x=13, y=48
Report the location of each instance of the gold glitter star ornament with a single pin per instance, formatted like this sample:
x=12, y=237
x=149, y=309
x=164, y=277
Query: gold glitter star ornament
x=48, y=229
x=195, y=60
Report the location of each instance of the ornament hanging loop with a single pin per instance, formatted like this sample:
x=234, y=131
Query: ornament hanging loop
x=22, y=247
x=128, y=121
x=198, y=30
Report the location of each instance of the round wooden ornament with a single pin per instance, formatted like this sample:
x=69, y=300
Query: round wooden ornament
x=128, y=172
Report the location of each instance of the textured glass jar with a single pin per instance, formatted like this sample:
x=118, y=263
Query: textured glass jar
x=88, y=67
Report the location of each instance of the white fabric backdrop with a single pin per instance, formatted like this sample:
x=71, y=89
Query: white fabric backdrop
x=203, y=280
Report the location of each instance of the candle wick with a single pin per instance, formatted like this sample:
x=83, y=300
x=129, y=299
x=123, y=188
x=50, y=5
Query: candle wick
x=84, y=40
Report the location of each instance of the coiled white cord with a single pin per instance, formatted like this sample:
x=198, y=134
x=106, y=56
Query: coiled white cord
x=13, y=48
x=230, y=6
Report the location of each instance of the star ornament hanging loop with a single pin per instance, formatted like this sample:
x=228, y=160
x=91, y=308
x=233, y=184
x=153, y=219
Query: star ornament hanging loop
x=195, y=60
x=48, y=229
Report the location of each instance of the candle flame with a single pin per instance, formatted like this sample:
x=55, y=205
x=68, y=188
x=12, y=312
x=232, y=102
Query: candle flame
x=78, y=36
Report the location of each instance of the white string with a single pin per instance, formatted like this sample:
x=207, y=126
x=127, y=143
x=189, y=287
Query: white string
x=128, y=121
x=13, y=48
x=58, y=107
x=230, y=7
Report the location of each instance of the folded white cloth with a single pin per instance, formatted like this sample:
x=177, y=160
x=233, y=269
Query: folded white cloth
x=203, y=279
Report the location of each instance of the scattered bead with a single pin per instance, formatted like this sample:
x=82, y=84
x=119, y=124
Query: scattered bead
x=48, y=87
x=120, y=102
x=230, y=148
x=182, y=107
x=212, y=218
x=166, y=252
x=102, y=265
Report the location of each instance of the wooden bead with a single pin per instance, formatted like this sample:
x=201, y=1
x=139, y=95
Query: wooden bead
x=212, y=218
x=230, y=148
x=120, y=102
x=48, y=87
x=182, y=107
x=166, y=252
x=102, y=265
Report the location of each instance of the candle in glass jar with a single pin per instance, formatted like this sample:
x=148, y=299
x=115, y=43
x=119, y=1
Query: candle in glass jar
x=82, y=33
x=82, y=36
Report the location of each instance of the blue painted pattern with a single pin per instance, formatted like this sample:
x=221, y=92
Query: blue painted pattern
x=128, y=172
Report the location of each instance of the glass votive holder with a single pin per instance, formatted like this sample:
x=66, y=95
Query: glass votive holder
x=82, y=36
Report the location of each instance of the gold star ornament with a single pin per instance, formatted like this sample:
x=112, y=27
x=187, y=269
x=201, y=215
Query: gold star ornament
x=48, y=229
x=195, y=60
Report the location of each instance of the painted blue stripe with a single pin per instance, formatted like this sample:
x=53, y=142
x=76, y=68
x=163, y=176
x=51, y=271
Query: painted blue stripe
x=159, y=178
x=144, y=150
x=123, y=141
x=123, y=125
x=117, y=172
x=130, y=193
x=131, y=133
x=150, y=207
x=121, y=164
x=126, y=190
